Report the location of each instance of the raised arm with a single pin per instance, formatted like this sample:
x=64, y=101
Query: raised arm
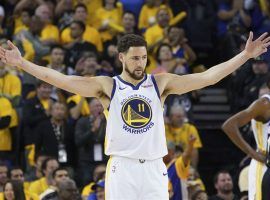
x=175, y=84
x=232, y=125
x=84, y=86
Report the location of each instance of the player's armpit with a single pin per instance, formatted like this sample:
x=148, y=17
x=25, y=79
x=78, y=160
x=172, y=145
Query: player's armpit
x=176, y=84
x=89, y=86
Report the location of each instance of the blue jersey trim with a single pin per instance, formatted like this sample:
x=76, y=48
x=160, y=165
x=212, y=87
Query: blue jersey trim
x=155, y=84
x=113, y=91
x=131, y=85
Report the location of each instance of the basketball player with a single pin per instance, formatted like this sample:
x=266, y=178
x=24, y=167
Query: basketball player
x=135, y=136
x=259, y=115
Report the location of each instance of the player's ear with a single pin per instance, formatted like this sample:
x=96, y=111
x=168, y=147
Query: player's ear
x=121, y=57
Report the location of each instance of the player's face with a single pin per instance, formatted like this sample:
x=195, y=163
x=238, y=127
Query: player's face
x=134, y=62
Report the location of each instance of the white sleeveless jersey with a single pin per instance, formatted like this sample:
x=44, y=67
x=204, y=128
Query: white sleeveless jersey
x=261, y=130
x=135, y=124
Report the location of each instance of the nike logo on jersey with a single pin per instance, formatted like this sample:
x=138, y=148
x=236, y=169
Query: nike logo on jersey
x=122, y=88
x=165, y=174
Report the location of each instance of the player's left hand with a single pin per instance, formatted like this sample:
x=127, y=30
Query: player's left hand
x=258, y=46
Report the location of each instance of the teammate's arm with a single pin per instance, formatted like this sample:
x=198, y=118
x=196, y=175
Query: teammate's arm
x=84, y=86
x=175, y=84
x=232, y=125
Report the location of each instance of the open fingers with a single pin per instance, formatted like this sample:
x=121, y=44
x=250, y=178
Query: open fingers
x=266, y=40
x=11, y=45
x=262, y=37
x=250, y=37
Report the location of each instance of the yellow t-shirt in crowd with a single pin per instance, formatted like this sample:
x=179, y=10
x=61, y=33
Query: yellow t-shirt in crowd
x=10, y=84
x=50, y=31
x=180, y=136
x=90, y=35
x=39, y=186
x=153, y=34
x=5, y=135
x=148, y=16
x=76, y=99
x=112, y=16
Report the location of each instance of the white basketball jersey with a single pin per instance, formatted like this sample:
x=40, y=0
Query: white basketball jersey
x=135, y=124
x=261, y=130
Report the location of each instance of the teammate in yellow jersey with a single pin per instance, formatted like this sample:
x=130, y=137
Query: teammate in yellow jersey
x=258, y=113
x=136, y=145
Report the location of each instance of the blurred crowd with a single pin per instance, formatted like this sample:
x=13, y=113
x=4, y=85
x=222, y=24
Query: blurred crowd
x=52, y=141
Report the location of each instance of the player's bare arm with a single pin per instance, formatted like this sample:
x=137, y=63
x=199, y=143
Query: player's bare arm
x=257, y=111
x=175, y=84
x=99, y=87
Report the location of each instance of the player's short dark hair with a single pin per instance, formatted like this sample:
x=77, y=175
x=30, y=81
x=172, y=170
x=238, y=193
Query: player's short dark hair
x=80, y=24
x=80, y=5
x=58, y=169
x=223, y=171
x=130, y=40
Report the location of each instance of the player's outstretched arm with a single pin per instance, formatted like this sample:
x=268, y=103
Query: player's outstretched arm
x=84, y=86
x=232, y=125
x=175, y=84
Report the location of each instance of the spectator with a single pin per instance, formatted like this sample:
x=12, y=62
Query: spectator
x=5, y=131
x=57, y=56
x=224, y=186
x=99, y=173
x=89, y=138
x=254, y=81
x=13, y=190
x=79, y=45
x=50, y=33
x=3, y=175
x=179, y=131
x=42, y=184
x=90, y=34
x=11, y=88
x=99, y=191
x=168, y=63
x=36, y=172
x=148, y=13
x=63, y=13
x=110, y=13
x=23, y=21
x=199, y=195
x=194, y=182
x=178, y=169
x=35, y=110
x=59, y=174
x=16, y=174
x=68, y=190
x=156, y=34
x=233, y=21
x=179, y=43
x=53, y=135
x=30, y=43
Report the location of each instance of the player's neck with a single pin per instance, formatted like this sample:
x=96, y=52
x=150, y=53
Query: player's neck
x=131, y=80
